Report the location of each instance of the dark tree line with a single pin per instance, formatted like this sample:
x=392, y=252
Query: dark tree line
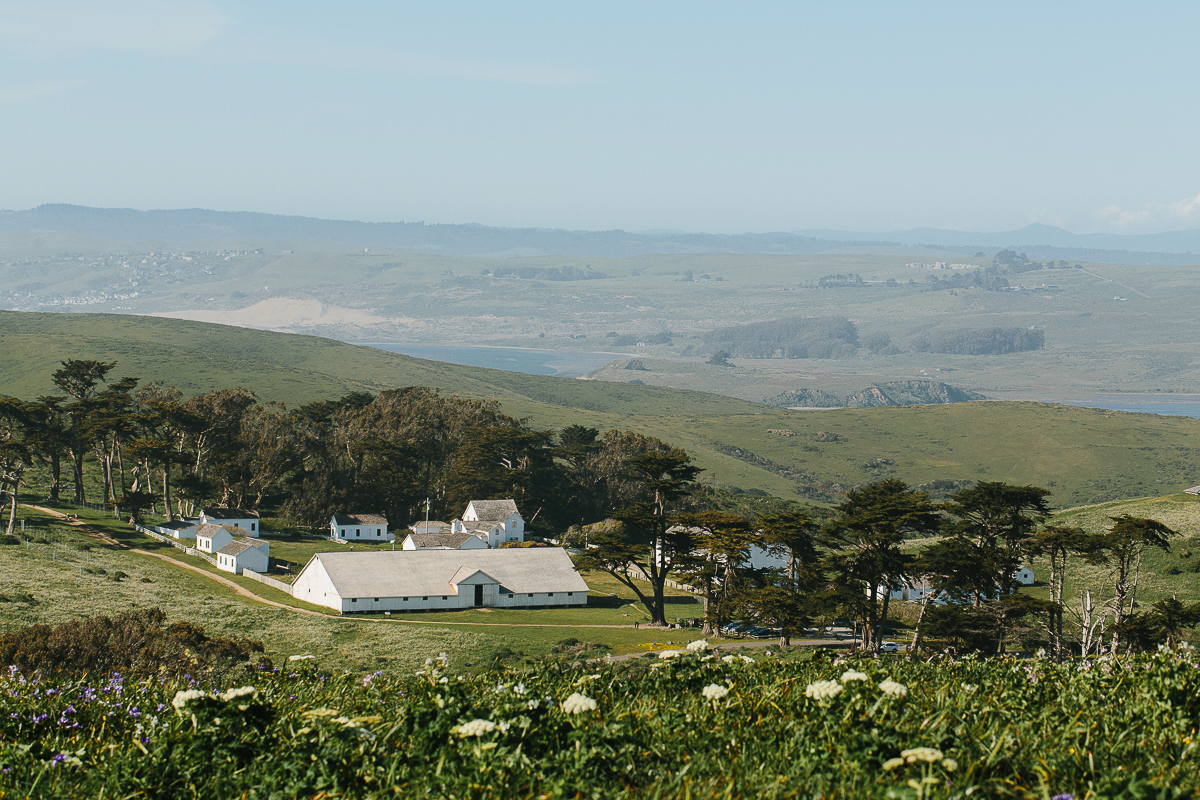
x=144, y=447
x=979, y=341
x=793, y=337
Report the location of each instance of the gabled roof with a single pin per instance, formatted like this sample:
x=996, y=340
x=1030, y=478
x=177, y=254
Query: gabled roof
x=429, y=526
x=466, y=573
x=211, y=529
x=341, y=520
x=239, y=546
x=494, y=510
x=179, y=525
x=1193, y=490
x=451, y=541
x=408, y=573
x=229, y=513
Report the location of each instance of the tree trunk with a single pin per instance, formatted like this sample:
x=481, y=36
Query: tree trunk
x=167, y=489
x=916, y=644
x=55, y=476
x=77, y=474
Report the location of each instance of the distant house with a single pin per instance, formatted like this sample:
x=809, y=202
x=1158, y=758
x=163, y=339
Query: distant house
x=919, y=589
x=359, y=528
x=426, y=580
x=211, y=537
x=179, y=529
x=1193, y=490
x=495, y=521
x=242, y=518
x=1024, y=576
x=444, y=540
x=244, y=553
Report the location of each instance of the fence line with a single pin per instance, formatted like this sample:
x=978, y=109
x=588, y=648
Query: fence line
x=266, y=579
x=191, y=551
x=638, y=574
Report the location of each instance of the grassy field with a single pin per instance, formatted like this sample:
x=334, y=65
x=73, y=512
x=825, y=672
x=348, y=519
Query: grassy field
x=72, y=576
x=1082, y=455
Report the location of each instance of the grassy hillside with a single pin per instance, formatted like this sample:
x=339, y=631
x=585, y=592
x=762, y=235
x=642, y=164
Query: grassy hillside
x=1082, y=455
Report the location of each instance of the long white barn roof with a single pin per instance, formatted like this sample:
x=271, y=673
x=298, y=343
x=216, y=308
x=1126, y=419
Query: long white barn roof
x=405, y=573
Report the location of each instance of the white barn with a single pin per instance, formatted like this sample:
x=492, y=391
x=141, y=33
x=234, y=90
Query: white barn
x=244, y=553
x=243, y=519
x=495, y=521
x=429, y=580
x=359, y=528
x=444, y=540
x=211, y=537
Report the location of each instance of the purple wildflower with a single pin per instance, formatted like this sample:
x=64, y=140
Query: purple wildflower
x=61, y=758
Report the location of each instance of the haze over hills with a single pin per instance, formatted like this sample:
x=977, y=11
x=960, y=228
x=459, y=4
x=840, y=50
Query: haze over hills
x=191, y=225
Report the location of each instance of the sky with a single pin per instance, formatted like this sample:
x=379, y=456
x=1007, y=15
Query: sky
x=717, y=117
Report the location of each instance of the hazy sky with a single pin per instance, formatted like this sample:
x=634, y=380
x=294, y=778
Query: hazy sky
x=721, y=117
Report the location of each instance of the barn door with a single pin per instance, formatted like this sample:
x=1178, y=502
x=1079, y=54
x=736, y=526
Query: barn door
x=479, y=595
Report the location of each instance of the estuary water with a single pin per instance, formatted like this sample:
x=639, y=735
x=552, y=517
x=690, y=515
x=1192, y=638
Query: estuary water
x=532, y=361
x=513, y=359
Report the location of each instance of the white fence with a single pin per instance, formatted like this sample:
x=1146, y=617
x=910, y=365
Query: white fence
x=191, y=551
x=286, y=588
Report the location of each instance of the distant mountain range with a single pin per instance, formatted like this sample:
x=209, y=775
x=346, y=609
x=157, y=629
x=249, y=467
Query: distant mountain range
x=192, y=225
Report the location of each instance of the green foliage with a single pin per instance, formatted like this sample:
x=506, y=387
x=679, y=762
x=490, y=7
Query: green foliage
x=691, y=726
x=794, y=337
x=980, y=341
x=134, y=643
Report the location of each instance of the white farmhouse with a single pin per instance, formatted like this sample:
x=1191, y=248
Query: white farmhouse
x=359, y=528
x=444, y=540
x=495, y=521
x=1024, y=576
x=244, y=553
x=243, y=519
x=211, y=537
x=427, y=580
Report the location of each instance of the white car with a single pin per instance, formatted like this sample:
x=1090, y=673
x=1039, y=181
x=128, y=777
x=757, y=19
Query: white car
x=889, y=647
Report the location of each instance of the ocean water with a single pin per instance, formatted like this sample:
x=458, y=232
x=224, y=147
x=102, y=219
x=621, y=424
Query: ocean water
x=513, y=359
x=1170, y=405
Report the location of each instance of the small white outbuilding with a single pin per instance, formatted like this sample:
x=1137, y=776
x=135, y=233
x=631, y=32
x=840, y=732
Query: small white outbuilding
x=244, y=553
x=359, y=528
x=245, y=520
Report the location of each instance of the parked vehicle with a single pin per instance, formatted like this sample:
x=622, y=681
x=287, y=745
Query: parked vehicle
x=889, y=647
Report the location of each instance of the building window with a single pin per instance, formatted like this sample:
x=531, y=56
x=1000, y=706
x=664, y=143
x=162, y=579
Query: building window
x=376, y=599
x=549, y=594
x=443, y=597
x=510, y=597
x=530, y=594
x=424, y=598
x=357, y=532
x=353, y=599
x=570, y=594
x=251, y=526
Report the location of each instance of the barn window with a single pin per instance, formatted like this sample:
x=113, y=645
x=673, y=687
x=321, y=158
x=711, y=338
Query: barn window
x=530, y=594
x=570, y=594
x=376, y=599
x=443, y=597
x=353, y=599
x=510, y=597
x=424, y=598
x=549, y=594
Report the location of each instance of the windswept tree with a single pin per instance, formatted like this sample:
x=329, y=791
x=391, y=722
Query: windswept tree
x=723, y=542
x=865, y=538
x=1057, y=544
x=16, y=418
x=79, y=380
x=1126, y=542
x=789, y=598
x=649, y=544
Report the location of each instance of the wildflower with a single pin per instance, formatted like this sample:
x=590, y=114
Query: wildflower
x=241, y=691
x=715, y=691
x=61, y=758
x=892, y=763
x=823, y=689
x=519, y=688
x=578, y=704
x=1063, y=796
x=185, y=696
x=476, y=727
x=533, y=705
x=727, y=659
x=746, y=659
x=949, y=764
x=921, y=754
x=890, y=687
x=698, y=646
x=852, y=675
x=304, y=657
x=670, y=654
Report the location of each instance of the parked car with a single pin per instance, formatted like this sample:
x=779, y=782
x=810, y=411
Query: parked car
x=889, y=647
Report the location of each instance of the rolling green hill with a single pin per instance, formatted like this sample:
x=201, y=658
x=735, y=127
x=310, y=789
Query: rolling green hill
x=1082, y=455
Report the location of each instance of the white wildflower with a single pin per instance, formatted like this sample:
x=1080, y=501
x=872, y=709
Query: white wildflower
x=670, y=654
x=890, y=687
x=747, y=659
x=519, y=688
x=185, y=696
x=305, y=657
x=728, y=659
x=852, y=675
x=968, y=687
x=892, y=763
x=579, y=703
x=823, y=689
x=949, y=764
x=241, y=691
x=698, y=646
x=533, y=705
x=921, y=754
x=715, y=691
x=476, y=727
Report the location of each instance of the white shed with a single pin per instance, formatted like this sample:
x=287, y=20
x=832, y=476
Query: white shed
x=243, y=519
x=244, y=553
x=427, y=580
x=211, y=537
x=179, y=529
x=1024, y=576
x=359, y=528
